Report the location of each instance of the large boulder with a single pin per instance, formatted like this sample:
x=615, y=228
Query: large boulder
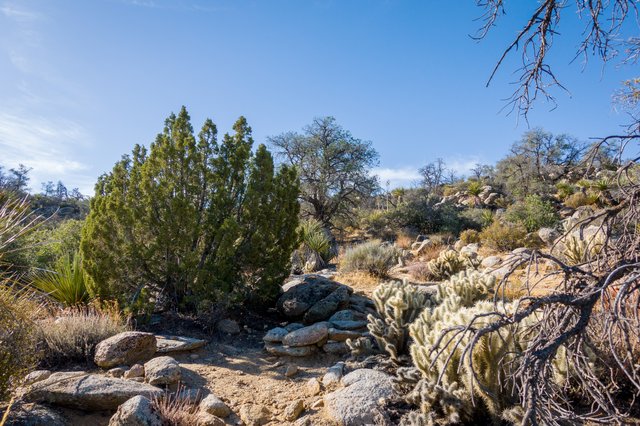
x=305, y=294
x=162, y=370
x=90, y=392
x=125, y=349
x=324, y=308
x=358, y=402
x=548, y=235
x=137, y=411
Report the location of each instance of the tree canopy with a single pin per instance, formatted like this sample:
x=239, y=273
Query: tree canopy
x=192, y=218
x=334, y=168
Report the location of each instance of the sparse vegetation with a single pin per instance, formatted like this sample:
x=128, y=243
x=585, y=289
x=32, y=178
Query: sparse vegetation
x=503, y=236
x=373, y=257
x=72, y=334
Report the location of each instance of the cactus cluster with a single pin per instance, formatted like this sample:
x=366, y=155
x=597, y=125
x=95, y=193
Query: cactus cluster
x=397, y=305
x=448, y=384
x=450, y=262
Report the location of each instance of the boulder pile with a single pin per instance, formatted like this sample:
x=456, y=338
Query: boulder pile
x=325, y=314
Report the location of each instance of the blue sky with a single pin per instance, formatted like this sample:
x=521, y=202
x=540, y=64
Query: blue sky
x=81, y=82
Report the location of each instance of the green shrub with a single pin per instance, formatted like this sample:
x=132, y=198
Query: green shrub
x=503, y=236
x=469, y=236
x=371, y=257
x=474, y=187
x=533, y=213
x=193, y=219
x=75, y=332
x=46, y=245
x=67, y=284
x=476, y=218
x=18, y=336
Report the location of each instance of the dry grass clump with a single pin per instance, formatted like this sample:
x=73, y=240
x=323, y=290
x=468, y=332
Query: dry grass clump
x=432, y=252
x=359, y=281
x=371, y=257
x=18, y=337
x=176, y=409
x=404, y=240
x=74, y=333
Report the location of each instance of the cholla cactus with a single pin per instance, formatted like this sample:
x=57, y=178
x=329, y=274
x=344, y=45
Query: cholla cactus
x=448, y=383
x=448, y=263
x=361, y=346
x=471, y=286
x=398, y=304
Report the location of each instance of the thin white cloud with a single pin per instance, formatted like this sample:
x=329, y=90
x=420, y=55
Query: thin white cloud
x=18, y=14
x=397, y=177
x=45, y=145
x=462, y=166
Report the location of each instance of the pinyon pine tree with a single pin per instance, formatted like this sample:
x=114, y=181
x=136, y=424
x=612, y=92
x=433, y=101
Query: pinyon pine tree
x=192, y=218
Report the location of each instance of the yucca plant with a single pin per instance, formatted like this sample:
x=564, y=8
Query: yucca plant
x=315, y=247
x=67, y=284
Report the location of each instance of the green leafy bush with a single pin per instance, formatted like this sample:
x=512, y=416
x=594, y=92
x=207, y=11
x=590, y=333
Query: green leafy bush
x=503, y=236
x=75, y=332
x=193, y=219
x=533, y=213
x=18, y=335
x=47, y=245
x=67, y=284
x=371, y=257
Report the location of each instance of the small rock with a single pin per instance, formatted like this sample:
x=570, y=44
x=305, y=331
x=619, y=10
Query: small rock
x=344, y=315
x=280, y=350
x=336, y=348
x=548, y=235
x=194, y=356
x=136, y=370
x=125, y=348
x=490, y=261
x=293, y=326
x=137, y=411
x=291, y=370
x=162, y=370
x=255, y=415
x=318, y=404
x=207, y=419
x=307, y=335
x=228, y=326
x=168, y=344
x=333, y=375
x=36, y=376
x=349, y=325
x=313, y=387
x=293, y=410
x=214, y=405
x=275, y=335
x=338, y=335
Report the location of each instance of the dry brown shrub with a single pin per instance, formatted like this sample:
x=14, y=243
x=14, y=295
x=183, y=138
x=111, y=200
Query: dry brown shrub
x=431, y=252
x=18, y=336
x=73, y=333
x=404, y=240
x=176, y=409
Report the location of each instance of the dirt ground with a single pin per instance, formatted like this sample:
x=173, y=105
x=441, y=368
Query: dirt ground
x=237, y=370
